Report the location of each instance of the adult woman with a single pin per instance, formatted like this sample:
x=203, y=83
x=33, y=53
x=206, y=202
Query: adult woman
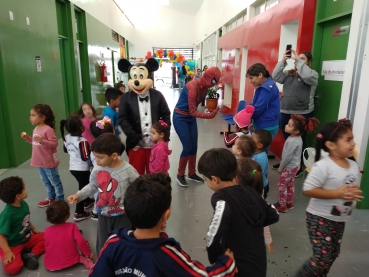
x=299, y=85
x=182, y=77
x=184, y=122
x=266, y=100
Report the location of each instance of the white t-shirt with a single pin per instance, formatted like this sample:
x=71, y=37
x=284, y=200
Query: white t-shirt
x=328, y=175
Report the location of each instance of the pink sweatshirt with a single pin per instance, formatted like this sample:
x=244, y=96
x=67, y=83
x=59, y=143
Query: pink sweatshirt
x=44, y=153
x=61, y=242
x=87, y=133
x=159, y=161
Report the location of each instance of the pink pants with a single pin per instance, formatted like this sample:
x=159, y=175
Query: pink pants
x=35, y=243
x=286, y=185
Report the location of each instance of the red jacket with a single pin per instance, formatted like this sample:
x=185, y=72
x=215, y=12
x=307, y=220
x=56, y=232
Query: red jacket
x=159, y=161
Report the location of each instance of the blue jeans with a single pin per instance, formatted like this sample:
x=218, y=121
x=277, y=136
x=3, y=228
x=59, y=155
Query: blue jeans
x=186, y=128
x=181, y=83
x=50, y=178
x=274, y=134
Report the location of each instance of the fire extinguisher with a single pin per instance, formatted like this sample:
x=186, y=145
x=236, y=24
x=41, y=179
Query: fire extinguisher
x=104, y=73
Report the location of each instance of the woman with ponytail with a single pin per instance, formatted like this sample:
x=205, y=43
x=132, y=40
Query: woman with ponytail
x=290, y=163
x=266, y=100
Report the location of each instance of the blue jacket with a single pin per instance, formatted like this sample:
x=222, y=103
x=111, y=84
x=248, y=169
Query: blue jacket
x=267, y=105
x=123, y=254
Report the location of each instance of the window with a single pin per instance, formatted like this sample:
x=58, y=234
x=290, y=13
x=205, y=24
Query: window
x=263, y=5
x=236, y=21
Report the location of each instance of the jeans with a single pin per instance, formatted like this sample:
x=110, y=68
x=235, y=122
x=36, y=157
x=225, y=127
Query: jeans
x=181, y=83
x=283, y=121
x=186, y=128
x=274, y=134
x=50, y=178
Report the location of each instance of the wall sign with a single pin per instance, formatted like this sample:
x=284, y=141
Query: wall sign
x=344, y=30
x=333, y=70
x=38, y=64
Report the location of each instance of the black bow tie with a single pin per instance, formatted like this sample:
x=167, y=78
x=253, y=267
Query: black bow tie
x=144, y=98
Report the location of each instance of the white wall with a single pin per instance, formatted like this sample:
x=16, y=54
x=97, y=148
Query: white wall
x=213, y=14
x=361, y=119
x=107, y=12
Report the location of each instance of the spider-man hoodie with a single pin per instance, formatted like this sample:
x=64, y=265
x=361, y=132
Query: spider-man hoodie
x=123, y=254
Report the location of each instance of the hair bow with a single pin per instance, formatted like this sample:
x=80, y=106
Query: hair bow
x=101, y=123
x=162, y=123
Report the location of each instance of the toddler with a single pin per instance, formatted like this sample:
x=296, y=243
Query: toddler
x=44, y=153
x=64, y=236
x=291, y=158
x=159, y=161
x=87, y=114
x=78, y=149
x=332, y=186
x=112, y=96
x=242, y=120
x=262, y=139
x=244, y=147
x=20, y=242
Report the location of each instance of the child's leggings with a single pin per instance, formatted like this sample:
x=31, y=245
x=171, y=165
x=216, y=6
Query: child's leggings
x=325, y=237
x=286, y=185
x=35, y=243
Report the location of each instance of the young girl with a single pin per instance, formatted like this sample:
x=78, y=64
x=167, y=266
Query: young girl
x=244, y=147
x=78, y=149
x=98, y=127
x=332, y=186
x=88, y=114
x=249, y=173
x=159, y=161
x=64, y=237
x=44, y=153
x=291, y=157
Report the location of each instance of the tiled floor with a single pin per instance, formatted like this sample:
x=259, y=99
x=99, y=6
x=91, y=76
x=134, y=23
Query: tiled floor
x=191, y=214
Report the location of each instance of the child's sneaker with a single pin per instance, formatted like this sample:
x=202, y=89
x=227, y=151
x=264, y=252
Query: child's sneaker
x=280, y=208
x=30, y=260
x=46, y=202
x=88, y=203
x=87, y=262
x=94, y=216
x=290, y=206
x=82, y=216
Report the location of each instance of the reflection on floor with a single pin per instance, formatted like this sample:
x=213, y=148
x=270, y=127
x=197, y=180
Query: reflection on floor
x=191, y=214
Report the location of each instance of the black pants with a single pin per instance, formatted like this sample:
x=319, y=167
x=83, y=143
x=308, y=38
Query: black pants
x=83, y=179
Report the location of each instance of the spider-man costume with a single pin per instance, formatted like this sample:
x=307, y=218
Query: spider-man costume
x=185, y=114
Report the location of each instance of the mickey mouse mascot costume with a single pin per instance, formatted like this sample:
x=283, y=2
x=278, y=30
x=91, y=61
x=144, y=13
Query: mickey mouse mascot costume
x=184, y=122
x=140, y=108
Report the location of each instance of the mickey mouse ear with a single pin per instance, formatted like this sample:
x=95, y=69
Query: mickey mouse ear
x=124, y=65
x=152, y=64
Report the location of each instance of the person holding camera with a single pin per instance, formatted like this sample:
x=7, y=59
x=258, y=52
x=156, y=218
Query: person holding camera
x=299, y=85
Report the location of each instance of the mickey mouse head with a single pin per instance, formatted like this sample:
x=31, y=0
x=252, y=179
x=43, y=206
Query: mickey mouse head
x=139, y=73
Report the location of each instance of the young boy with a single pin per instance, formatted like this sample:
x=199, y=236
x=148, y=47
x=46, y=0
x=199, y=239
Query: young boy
x=17, y=233
x=244, y=147
x=142, y=252
x=112, y=96
x=121, y=87
x=110, y=178
x=240, y=214
x=262, y=139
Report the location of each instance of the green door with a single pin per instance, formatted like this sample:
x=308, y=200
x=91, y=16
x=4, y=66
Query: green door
x=332, y=48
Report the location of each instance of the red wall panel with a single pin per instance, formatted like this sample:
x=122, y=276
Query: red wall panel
x=261, y=35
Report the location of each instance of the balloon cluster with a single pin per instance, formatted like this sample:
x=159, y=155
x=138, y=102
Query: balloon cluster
x=160, y=53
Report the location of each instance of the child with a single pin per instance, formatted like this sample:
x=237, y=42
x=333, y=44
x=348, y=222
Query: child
x=112, y=96
x=17, y=233
x=78, y=149
x=242, y=120
x=98, y=127
x=262, y=139
x=110, y=178
x=332, y=186
x=142, y=252
x=159, y=161
x=249, y=173
x=240, y=214
x=64, y=236
x=88, y=114
x=291, y=158
x=44, y=153
x=244, y=147
x=121, y=87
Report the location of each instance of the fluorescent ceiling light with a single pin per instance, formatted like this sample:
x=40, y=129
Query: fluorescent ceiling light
x=164, y=2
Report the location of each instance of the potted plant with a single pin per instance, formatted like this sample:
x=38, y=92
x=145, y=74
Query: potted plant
x=212, y=98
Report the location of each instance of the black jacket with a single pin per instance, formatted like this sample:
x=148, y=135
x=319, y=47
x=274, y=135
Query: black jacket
x=240, y=215
x=129, y=115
